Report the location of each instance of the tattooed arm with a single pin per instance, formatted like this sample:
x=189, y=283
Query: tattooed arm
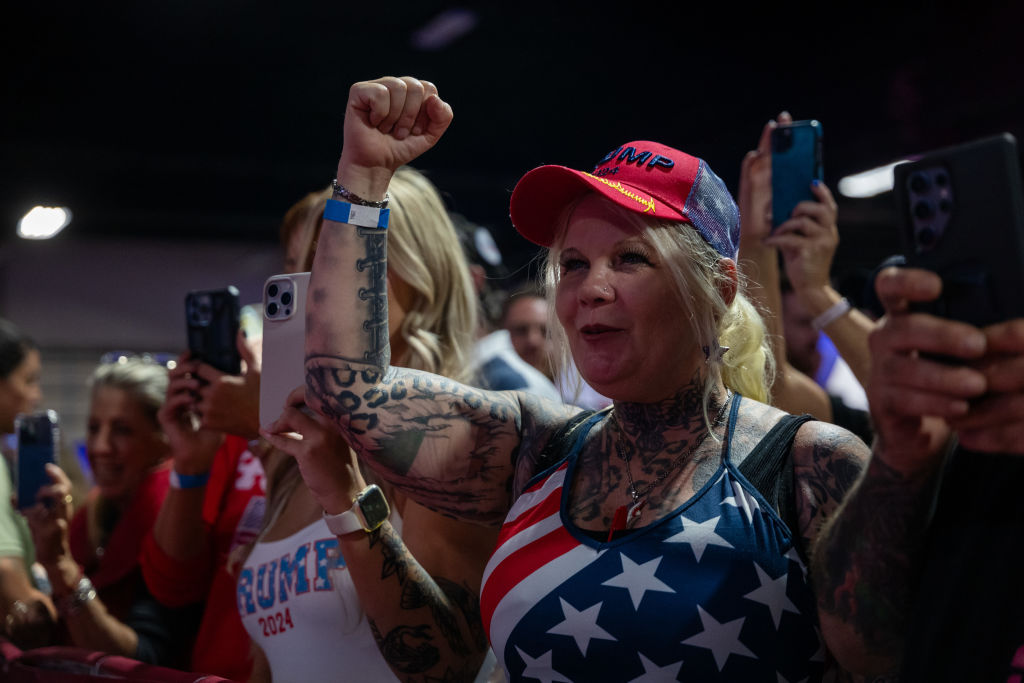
x=866, y=557
x=448, y=446
x=419, y=589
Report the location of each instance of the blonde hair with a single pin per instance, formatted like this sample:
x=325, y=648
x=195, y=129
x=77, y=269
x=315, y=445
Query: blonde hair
x=439, y=324
x=693, y=265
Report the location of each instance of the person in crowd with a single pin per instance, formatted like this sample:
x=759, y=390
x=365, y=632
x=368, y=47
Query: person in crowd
x=525, y=315
x=496, y=364
x=91, y=557
x=27, y=615
x=633, y=544
x=216, y=503
x=424, y=563
x=807, y=242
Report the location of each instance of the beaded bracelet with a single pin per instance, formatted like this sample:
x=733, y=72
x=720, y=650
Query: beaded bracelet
x=351, y=197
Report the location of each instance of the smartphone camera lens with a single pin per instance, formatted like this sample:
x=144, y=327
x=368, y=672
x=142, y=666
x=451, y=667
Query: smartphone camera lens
x=924, y=210
x=926, y=238
x=941, y=179
x=286, y=298
x=945, y=206
x=272, y=290
x=919, y=183
x=271, y=309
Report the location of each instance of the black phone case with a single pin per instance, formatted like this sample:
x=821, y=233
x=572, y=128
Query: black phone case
x=37, y=439
x=212, y=318
x=796, y=162
x=961, y=215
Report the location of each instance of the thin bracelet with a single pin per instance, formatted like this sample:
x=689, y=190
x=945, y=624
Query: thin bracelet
x=356, y=214
x=351, y=197
x=834, y=312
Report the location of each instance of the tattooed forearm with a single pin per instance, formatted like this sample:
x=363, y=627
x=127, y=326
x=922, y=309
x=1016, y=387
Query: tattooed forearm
x=867, y=556
x=455, y=624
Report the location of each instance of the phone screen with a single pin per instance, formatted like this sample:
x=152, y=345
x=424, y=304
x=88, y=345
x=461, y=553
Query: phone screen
x=796, y=163
x=37, y=445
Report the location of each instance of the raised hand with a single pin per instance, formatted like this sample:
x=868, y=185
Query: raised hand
x=192, y=446
x=328, y=465
x=388, y=122
x=995, y=423
x=50, y=518
x=231, y=403
x=913, y=398
x=808, y=241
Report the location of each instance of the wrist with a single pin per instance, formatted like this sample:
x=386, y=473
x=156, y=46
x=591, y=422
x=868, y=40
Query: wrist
x=64, y=574
x=817, y=300
x=370, y=183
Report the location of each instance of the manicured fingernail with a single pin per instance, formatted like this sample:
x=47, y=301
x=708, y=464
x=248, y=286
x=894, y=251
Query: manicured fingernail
x=417, y=130
x=402, y=133
x=815, y=182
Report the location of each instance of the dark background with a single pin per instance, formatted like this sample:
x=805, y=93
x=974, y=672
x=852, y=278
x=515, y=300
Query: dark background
x=206, y=121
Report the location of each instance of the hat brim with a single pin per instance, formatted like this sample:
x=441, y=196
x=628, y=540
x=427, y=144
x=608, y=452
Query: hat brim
x=542, y=195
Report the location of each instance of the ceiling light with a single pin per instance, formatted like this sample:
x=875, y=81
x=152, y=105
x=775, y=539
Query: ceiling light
x=869, y=183
x=444, y=29
x=43, y=222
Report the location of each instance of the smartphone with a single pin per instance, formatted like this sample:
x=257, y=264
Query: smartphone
x=284, y=342
x=37, y=436
x=212, y=317
x=796, y=162
x=960, y=212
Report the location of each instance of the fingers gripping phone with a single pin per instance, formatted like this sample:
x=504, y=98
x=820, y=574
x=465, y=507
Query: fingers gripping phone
x=37, y=437
x=212, y=322
x=284, y=342
x=796, y=162
x=961, y=214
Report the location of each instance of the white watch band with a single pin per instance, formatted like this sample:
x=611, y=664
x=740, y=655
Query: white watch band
x=344, y=522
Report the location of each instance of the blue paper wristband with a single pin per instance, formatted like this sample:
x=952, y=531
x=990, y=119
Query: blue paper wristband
x=356, y=214
x=188, y=481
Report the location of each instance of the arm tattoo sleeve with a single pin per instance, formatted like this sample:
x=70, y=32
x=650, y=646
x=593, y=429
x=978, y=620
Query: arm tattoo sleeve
x=442, y=617
x=867, y=555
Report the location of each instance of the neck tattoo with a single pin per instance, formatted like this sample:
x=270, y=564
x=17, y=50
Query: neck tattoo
x=626, y=516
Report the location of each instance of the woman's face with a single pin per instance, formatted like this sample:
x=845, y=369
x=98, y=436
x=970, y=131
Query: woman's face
x=20, y=391
x=122, y=442
x=617, y=303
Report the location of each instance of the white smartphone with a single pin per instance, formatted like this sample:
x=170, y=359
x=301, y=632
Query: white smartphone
x=284, y=342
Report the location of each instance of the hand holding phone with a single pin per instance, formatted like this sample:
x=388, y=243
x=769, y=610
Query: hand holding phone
x=37, y=437
x=212, y=319
x=796, y=163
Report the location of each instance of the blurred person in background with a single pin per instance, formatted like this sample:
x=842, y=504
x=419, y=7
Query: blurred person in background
x=27, y=615
x=496, y=363
x=92, y=556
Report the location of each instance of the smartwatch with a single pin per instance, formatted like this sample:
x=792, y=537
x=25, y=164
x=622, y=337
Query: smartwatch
x=369, y=510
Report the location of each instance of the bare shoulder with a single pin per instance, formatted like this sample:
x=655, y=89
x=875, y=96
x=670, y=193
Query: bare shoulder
x=542, y=419
x=827, y=462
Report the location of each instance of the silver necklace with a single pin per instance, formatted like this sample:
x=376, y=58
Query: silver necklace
x=627, y=516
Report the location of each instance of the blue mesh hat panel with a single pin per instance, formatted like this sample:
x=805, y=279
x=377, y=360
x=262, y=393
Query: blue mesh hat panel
x=713, y=212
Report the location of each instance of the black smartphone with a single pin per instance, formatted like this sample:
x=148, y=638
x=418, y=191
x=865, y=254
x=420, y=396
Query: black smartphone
x=37, y=436
x=212, y=317
x=960, y=213
x=796, y=162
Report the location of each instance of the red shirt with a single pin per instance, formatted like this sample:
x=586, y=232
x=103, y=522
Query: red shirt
x=233, y=513
x=115, y=572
